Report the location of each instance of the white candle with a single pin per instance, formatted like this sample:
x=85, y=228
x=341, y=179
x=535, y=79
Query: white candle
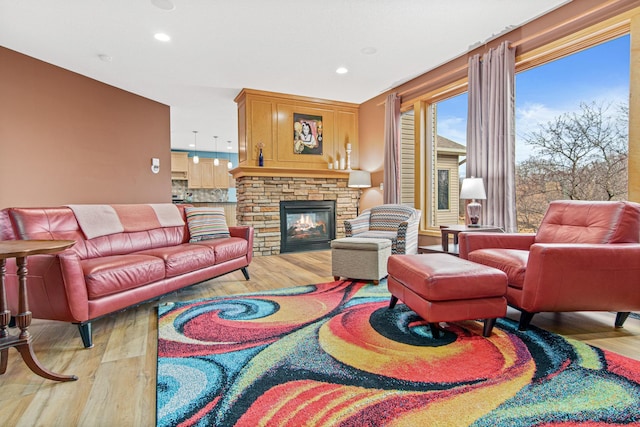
x=336, y=164
x=349, y=146
x=342, y=164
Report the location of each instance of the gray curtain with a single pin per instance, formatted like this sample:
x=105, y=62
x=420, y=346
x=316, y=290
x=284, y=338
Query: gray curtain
x=391, y=179
x=491, y=133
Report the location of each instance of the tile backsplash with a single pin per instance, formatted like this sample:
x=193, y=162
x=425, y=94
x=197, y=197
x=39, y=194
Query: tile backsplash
x=179, y=188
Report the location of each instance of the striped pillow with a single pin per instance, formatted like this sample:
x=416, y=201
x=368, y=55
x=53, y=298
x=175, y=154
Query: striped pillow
x=206, y=223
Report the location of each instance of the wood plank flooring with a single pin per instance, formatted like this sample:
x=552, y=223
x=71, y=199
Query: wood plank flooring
x=117, y=377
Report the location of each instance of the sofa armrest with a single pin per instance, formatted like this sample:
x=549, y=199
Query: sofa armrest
x=57, y=289
x=571, y=277
x=74, y=284
x=407, y=240
x=469, y=242
x=358, y=225
x=244, y=232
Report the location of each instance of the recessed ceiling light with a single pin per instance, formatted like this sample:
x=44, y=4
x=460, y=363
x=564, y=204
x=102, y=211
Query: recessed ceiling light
x=163, y=4
x=105, y=58
x=162, y=37
x=342, y=70
x=192, y=145
x=369, y=50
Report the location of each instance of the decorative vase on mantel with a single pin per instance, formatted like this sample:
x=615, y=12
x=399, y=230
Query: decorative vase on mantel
x=260, y=155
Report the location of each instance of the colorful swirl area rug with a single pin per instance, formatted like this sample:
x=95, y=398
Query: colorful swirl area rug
x=334, y=354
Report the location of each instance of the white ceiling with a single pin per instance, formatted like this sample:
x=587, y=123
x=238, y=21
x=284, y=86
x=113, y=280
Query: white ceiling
x=218, y=47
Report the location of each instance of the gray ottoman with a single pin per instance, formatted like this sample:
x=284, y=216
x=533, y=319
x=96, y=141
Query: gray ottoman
x=360, y=258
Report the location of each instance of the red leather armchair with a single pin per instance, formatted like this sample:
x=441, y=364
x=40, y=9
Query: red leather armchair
x=584, y=257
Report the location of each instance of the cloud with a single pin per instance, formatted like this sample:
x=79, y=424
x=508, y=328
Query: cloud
x=454, y=128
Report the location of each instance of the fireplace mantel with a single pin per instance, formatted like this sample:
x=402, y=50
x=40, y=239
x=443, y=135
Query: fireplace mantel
x=242, y=171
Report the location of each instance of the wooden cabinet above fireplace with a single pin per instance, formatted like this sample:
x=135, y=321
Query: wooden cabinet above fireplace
x=268, y=118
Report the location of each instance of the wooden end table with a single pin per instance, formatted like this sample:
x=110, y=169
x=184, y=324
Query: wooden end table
x=20, y=250
x=457, y=229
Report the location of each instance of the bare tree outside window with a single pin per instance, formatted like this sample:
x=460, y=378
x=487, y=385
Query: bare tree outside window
x=578, y=156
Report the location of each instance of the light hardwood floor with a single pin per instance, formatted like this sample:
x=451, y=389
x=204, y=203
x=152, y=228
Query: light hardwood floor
x=117, y=377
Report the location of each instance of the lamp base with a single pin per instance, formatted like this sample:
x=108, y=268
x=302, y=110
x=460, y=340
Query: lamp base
x=474, y=209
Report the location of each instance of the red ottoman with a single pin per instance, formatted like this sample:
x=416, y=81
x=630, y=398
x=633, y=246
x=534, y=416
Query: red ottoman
x=444, y=288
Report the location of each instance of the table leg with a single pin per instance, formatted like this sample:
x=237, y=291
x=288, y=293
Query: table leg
x=23, y=320
x=445, y=240
x=26, y=350
x=5, y=314
x=4, y=355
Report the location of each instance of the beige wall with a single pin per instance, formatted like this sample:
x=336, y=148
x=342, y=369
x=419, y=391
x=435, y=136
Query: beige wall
x=371, y=124
x=65, y=138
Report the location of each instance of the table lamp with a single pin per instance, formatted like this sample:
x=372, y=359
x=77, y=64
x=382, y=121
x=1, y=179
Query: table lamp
x=359, y=180
x=473, y=189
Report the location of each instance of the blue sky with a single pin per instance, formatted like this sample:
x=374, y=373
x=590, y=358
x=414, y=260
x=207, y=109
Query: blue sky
x=599, y=74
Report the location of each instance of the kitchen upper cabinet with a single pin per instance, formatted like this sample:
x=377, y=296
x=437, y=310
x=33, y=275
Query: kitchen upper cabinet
x=221, y=175
x=179, y=165
x=206, y=175
x=201, y=174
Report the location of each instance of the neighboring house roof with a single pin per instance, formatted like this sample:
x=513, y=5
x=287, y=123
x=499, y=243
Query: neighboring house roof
x=447, y=146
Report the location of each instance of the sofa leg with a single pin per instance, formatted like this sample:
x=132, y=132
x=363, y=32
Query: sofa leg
x=393, y=301
x=621, y=317
x=245, y=272
x=488, y=327
x=85, y=334
x=525, y=319
x=435, y=332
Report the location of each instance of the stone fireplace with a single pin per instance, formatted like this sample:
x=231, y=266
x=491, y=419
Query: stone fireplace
x=260, y=192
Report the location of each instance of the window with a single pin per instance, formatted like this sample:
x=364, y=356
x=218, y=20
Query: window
x=572, y=130
x=442, y=156
x=443, y=189
x=407, y=159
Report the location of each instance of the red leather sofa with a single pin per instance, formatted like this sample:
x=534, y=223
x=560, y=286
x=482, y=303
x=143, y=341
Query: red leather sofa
x=106, y=274
x=585, y=256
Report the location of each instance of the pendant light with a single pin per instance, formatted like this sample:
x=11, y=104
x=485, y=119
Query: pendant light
x=196, y=159
x=229, y=164
x=216, y=162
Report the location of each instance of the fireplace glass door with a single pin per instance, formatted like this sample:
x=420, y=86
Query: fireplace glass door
x=306, y=225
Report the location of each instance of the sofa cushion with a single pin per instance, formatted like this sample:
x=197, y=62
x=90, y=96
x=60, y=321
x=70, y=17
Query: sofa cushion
x=183, y=258
x=206, y=223
x=113, y=274
x=512, y=261
x=226, y=249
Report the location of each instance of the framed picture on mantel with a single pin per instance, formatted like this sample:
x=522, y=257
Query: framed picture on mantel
x=307, y=134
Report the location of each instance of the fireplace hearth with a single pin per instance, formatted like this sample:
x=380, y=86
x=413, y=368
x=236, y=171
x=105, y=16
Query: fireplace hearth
x=307, y=225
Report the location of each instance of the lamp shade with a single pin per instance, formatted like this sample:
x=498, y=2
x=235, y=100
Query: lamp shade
x=472, y=188
x=359, y=179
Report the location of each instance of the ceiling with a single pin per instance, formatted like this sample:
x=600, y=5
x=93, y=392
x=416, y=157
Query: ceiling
x=218, y=47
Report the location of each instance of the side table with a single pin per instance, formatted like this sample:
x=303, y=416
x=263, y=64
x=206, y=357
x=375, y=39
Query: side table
x=455, y=230
x=20, y=250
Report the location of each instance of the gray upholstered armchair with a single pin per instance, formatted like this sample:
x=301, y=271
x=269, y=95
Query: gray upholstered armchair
x=397, y=223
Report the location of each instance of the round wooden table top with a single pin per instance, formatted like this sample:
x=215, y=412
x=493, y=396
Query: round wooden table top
x=24, y=248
